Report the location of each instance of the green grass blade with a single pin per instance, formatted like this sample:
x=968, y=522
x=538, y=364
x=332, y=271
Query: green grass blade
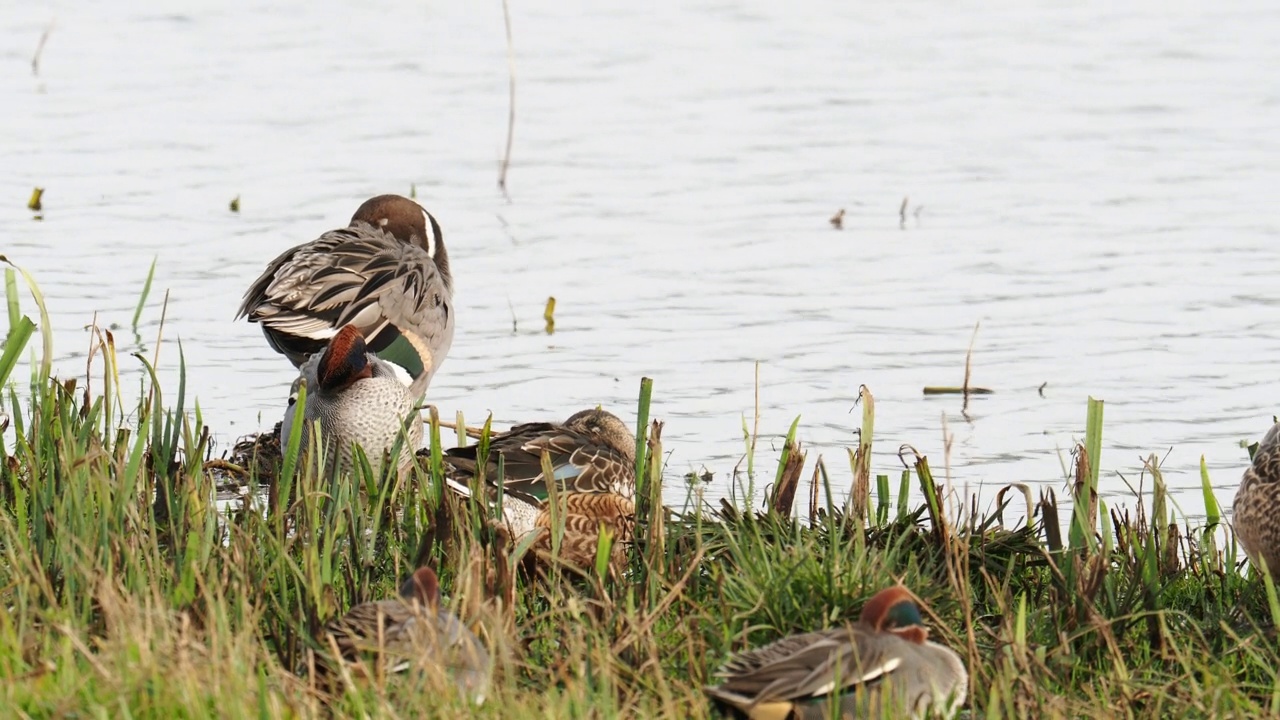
x=146, y=291
x=19, y=333
x=11, y=297
x=1212, y=510
x=46, y=326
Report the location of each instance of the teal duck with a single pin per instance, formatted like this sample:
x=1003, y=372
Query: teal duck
x=356, y=399
x=1255, y=513
x=411, y=631
x=387, y=274
x=881, y=666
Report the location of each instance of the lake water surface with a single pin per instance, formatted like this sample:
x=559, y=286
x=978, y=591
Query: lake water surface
x=1094, y=184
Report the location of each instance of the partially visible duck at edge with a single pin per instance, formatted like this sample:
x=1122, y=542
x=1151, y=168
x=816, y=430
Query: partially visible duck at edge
x=412, y=631
x=387, y=274
x=881, y=666
x=1255, y=513
x=357, y=400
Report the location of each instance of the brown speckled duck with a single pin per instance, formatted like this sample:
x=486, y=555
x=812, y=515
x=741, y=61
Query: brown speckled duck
x=413, y=631
x=592, y=458
x=881, y=666
x=1255, y=514
x=387, y=274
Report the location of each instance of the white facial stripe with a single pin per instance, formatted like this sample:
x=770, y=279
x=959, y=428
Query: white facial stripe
x=431, y=233
x=383, y=222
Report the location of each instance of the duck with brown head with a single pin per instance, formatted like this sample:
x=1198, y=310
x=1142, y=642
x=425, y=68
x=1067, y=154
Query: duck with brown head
x=881, y=666
x=412, y=631
x=387, y=274
x=356, y=399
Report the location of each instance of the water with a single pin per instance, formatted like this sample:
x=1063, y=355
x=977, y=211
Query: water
x=1093, y=184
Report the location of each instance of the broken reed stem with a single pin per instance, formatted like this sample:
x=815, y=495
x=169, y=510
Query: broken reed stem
x=511, y=105
x=968, y=367
x=813, y=491
x=957, y=550
x=755, y=426
x=655, y=548
x=782, y=499
x=35, y=59
x=860, y=461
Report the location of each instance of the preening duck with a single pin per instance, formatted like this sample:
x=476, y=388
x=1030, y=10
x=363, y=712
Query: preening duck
x=387, y=274
x=881, y=666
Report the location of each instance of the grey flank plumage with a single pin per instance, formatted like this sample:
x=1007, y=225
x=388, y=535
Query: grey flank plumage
x=882, y=666
x=370, y=411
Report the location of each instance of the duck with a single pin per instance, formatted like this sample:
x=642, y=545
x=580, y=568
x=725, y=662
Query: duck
x=387, y=273
x=410, y=631
x=592, y=456
x=357, y=399
x=881, y=664
x=1255, y=512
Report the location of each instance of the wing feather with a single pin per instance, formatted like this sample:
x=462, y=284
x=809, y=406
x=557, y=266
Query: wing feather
x=357, y=275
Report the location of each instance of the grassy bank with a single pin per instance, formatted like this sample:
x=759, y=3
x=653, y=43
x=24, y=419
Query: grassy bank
x=127, y=593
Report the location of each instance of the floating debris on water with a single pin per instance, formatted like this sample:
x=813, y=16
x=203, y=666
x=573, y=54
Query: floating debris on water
x=951, y=390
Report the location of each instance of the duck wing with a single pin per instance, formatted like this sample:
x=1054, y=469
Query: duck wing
x=809, y=665
x=357, y=275
x=579, y=464
x=371, y=627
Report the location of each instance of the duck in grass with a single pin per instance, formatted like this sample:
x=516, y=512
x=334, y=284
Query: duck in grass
x=357, y=399
x=387, y=274
x=411, y=631
x=881, y=666
x=1255, y=513
x=593, y=464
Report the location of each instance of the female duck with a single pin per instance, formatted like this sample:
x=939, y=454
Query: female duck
x=414, y=631
x=881, y=666
x=592, y=457
x=1255, y=514
x=387, y=274
x=357, y=400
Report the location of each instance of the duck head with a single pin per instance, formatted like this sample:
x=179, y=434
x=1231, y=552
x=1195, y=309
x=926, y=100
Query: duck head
x=1266, y=459
x=344, y=361
x=604, y=427
x=422, y=587
x=408, y=222
x=894, y=610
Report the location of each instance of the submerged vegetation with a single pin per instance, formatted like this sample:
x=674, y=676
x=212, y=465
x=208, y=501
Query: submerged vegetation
x=127, y=590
